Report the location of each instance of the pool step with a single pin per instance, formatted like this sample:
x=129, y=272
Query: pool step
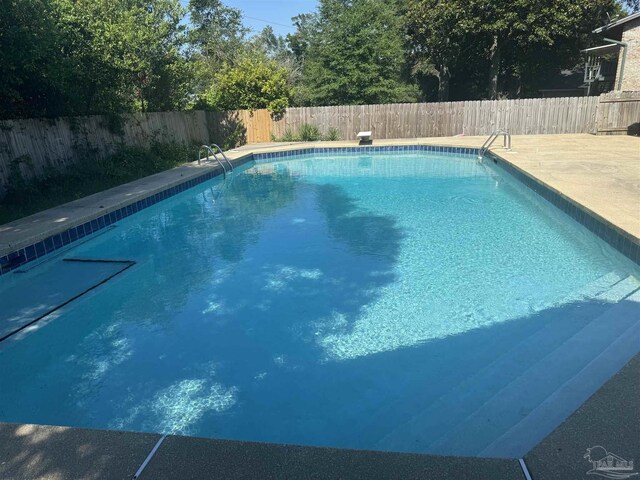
x=564, y=401
x=443, y=414
x=429, y=384
x=597, y=288
x=601, y=336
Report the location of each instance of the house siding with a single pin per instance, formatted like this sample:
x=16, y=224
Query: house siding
x=631, y=75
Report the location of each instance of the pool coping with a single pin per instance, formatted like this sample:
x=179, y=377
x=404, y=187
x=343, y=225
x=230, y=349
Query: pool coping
x=34, y=237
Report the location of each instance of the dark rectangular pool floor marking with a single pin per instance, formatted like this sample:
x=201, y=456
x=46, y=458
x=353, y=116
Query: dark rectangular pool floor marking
x=21, y=317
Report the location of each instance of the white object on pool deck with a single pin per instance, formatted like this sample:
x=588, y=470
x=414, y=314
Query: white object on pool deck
x=364, y=136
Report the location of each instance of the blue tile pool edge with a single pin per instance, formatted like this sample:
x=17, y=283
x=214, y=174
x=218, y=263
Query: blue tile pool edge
x=283, y=154
x=611, y=234
x=24, y=255
x=597, y=225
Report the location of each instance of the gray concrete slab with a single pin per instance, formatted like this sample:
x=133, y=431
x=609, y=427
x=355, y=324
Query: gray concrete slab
x=188, y=458
x=39, y=452
x=610, y=419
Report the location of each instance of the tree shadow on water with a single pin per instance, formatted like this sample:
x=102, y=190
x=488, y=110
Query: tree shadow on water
x=364, y=233
x=270, y=265
x=324, y=269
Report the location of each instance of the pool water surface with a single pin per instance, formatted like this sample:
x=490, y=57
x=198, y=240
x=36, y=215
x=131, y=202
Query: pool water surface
x=406, y=302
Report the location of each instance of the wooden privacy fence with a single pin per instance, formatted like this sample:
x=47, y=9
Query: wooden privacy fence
x=411, y=120
x=619, y=113
x=35, y=145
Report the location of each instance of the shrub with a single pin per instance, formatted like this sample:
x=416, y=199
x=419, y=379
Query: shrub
x=332, y=135
x=289, y=136
x=309, y=133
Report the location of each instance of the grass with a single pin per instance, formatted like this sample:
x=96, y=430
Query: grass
x=55, y=188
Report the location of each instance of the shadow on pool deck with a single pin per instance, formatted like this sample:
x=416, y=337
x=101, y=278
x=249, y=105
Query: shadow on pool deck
x=610, y=418
x=57, y=453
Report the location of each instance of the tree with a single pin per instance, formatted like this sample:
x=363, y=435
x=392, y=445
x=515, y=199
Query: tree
x=306, y=28
x=253, y=82
x=355, y=54
x=440, y=38
x=525, y=26
x=216, y=33
x=68, y=57
x=514, y=39
x=121, y=53
x=30, y=59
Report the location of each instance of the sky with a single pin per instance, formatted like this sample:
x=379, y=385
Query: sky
x=257, y=14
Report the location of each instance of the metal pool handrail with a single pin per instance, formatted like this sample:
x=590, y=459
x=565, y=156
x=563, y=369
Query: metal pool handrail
x=207, y=149
x=223, y=155
x=506, y=141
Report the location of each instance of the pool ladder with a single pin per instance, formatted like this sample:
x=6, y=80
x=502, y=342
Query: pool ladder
x=506, y=141
x=209, y=149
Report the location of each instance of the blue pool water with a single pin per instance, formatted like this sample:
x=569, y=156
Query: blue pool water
x=414, y=302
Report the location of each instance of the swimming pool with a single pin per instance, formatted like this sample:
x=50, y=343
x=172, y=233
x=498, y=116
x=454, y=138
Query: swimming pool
x=416, y=302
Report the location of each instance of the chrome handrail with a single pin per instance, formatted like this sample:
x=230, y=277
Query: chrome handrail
x=506, y=141
x=223, y=155
x=208, y=149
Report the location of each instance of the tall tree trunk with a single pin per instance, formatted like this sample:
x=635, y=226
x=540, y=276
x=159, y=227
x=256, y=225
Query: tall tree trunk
x=141, y=94
x=494, y=56
x=444, y=76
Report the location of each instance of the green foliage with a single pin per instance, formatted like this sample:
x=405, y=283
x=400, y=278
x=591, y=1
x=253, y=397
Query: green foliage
x=332, y=135
x=355, y=54
x=124, y=53
x=509, y=43
x=127, y=164
x=113, y=122
x=217, y=35
x=308, y=133
x=288, y=136
x=69, y=57
x=252, y=83
x=30, y=45
x=79, y=57
x=298, y=42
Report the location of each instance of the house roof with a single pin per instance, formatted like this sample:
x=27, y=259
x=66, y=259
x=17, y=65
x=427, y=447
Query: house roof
x=603, y=49
x=617, y=23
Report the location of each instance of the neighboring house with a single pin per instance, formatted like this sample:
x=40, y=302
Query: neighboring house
x=616, y=64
